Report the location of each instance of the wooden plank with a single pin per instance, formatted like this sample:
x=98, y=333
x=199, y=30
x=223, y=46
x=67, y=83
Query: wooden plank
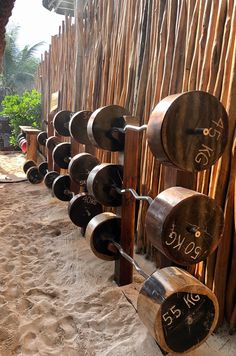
x=123, y=268
x=32, y=145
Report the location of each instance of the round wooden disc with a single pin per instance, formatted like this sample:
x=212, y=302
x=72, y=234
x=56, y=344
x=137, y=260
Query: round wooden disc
x=81, y=165
x=28, y=164
x=184, y=225
x=33, y=175
x=61, y=188
x=42, y=138
x=61, y=154
x=103, y=180
x=49, y=178
x=82, y=208
x=78, y=126
x=188, y=130
x=101, y=230
x=101, y=127
x=178, y=310
x=43, y=168
x=51, y=142
x=61, y=122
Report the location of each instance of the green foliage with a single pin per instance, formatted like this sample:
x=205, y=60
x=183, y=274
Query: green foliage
x=22, y=110
x=19, y=66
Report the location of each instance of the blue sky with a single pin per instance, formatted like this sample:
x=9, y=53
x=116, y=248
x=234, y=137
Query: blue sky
x=36, y=23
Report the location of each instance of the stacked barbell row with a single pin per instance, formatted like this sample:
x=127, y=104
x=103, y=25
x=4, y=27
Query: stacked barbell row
x=188, y=131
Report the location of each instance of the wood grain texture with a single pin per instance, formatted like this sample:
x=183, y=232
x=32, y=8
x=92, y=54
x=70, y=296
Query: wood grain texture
x=123, y=269
x=184, y=225
x=131, y=53
x=164, y=306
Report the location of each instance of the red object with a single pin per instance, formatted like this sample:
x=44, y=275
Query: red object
x=23, y=146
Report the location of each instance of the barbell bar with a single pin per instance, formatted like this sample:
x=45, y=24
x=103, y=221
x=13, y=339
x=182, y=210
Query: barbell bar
x=178, y=310
x=188, y=131
x=186, y=226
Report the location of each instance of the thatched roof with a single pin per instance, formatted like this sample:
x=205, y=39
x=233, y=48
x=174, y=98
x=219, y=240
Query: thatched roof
x=62, y=7
x=6, y=7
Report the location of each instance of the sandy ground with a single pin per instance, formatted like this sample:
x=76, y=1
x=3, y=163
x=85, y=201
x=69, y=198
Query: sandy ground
x=56, y=297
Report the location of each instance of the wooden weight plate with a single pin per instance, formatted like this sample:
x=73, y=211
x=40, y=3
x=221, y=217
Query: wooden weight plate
x=28, y=164
x=78, y=126
x=101, y=127
x=61, y=122
x=61, y=154
x=49, y=178
x=103, y=180
x=82, y=208
x=61, y=188
x=33, y=175
x=81, y=165
x=178, y=310
x=51, y=142
x=101, y=229
x=43, y=168
x=188, y=130
x=184, y=225
x=42, y=138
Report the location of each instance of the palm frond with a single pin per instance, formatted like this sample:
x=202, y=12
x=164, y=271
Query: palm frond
x=19, y=66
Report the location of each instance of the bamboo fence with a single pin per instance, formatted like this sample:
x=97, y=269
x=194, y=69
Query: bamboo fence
x=133, y=53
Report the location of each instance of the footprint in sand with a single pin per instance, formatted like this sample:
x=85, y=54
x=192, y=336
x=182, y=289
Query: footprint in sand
x=4, y=334
x=14, y=243
x=68, y=325
x=11, y=321
x=32, y=251
x=42, y=307
x=3, y=260
x=4, y=310
x=26, y=275
x=10, y=255
x=9, y=267
x=48, y=292
x=12, y=291
x=50, y=332
x=55, y=232
x=18, y=248
x=55, y=254
x=28, y=342
x=24, y=305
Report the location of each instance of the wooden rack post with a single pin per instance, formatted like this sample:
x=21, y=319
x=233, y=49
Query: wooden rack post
x=32, y=144
x=50, y=131
x=75, y=149
x=54, y=106
x=123, y=269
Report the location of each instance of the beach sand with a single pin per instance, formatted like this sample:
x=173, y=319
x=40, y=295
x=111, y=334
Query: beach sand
x=56, y=297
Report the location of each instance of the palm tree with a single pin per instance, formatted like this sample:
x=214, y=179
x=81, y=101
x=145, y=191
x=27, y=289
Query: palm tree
x=19, y=66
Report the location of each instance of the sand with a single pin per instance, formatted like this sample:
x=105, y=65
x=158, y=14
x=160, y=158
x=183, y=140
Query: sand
x=56, y=297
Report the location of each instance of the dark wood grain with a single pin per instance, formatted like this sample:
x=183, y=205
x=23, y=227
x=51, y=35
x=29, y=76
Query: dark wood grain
x=174, y=130
x=50, y=132
x=178, y=310
x=184, y=225
x=103, y=181
x=100, y=126
x=123, y=269
x=78, y=126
